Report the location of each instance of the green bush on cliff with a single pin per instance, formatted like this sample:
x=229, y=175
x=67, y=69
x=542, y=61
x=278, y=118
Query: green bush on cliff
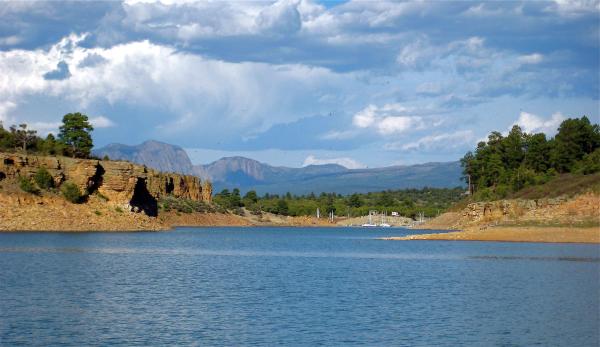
x=71, y=192
x=43, y=178
x=27, y=186
x=183, y=205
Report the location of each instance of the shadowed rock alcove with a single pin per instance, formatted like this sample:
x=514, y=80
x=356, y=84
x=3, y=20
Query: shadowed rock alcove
x=96, y=181
x=142, y=200
x=170, y=186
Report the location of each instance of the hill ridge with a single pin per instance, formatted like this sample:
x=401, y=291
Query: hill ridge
x=250, y=174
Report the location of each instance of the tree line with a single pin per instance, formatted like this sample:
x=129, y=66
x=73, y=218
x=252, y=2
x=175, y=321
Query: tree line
x=505, y=164
x=74, y=138
x=407, y=202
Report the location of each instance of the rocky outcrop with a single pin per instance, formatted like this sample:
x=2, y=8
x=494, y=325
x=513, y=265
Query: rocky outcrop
x=480, y=211
x=131, y=186
x=549, y=211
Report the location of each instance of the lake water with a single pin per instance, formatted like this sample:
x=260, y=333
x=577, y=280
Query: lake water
x=295, y=287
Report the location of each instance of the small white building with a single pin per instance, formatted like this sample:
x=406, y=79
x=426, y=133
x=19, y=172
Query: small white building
x=395, y=214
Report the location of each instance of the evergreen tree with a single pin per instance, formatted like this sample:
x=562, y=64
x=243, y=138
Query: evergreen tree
x=235, y=199
x=513, y=148
x=282, y=207
x=575, y=138
x=7, y=140
x=75, y=133
x=537, y=156
x=49, y=145
x=354, y=200
x=251, y=196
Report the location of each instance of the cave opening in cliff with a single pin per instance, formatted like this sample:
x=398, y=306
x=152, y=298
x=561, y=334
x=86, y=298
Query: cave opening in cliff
x=170, y=186
x=2, y=175
x=96, y=181
x=142, y=200
x=9, y=161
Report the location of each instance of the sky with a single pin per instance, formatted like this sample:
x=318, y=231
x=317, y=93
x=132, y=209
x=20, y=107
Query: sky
x=359, y=83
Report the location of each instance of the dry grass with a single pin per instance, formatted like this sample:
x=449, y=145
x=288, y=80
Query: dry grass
x=567, y=184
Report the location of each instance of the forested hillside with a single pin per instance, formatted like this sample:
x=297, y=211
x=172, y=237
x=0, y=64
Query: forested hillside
x=507, y=164
x=408, y=202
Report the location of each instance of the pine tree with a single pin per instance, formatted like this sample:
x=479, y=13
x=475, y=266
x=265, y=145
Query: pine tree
x=75, y=133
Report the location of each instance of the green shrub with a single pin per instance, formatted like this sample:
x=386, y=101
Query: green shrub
x=98, y=213
x=27, y=186
x=183, y=205
x=119, y=209
x=589, y=164
x=43, y=178
x=71, y=192
x=502, y=191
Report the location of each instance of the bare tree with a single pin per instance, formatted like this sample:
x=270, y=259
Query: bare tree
x=23, y=136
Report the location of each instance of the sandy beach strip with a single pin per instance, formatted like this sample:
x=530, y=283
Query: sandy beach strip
x=514, y=234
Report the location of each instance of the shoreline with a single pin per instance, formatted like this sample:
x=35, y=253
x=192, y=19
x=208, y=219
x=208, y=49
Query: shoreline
x=589, y=235
x=26, y=213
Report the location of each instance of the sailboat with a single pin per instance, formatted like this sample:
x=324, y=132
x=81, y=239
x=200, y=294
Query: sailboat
x=370, y=224
x=383, y=223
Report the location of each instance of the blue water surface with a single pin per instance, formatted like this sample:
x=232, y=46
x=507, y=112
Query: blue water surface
x=293, y=287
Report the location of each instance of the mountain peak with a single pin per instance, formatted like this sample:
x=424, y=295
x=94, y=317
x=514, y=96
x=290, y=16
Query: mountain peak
x=249, y=174
x=155, y=154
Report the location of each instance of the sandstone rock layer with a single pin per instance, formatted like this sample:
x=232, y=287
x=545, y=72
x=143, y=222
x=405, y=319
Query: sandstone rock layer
x=132, y=186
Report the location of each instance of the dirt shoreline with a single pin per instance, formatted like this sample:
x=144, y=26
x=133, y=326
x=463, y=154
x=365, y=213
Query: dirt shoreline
x=20, y=212
x=30, y=213
x=558, y=220
x=513, y=234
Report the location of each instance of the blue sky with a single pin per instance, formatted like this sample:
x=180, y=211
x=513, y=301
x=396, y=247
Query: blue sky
x=361, y=83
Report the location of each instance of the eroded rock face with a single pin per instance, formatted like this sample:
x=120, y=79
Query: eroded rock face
x=123, y=183
x=508, y=208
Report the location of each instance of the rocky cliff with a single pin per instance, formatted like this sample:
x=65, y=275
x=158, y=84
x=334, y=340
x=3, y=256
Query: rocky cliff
x=562, y=210
x=131, y=186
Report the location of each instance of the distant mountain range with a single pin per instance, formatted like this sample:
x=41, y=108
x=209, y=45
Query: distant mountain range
x=154, y=154
x=247, y=174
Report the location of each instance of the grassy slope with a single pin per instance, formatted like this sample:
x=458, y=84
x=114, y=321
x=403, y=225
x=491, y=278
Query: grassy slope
x=566, y=184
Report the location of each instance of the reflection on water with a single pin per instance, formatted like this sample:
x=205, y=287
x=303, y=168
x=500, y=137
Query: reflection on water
x=282, y=286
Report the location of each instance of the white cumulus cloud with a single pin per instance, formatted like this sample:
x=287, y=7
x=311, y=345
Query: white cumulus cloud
x=102, y=122
x=532, y=123
x=438, y=141
x=387, y=120
x=189, y=89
